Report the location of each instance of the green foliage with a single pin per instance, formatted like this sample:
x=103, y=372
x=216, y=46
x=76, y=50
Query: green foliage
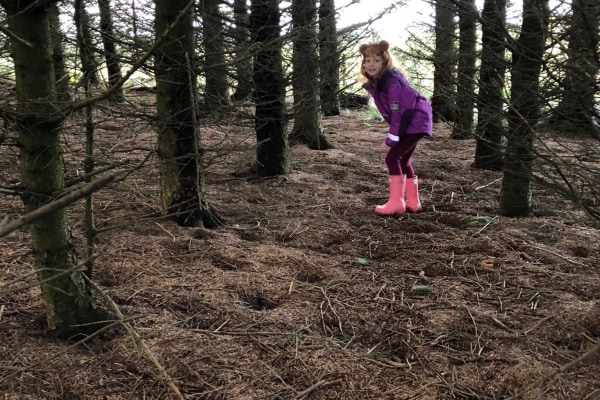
x=413, y=60
x=371, y=113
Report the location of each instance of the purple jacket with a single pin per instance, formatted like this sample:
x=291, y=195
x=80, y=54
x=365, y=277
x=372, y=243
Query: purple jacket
x=402, y=107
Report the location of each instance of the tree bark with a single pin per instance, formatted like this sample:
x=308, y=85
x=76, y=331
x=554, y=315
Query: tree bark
x=524, y=109
x=576, y=109
x=490, y=101
x=70, y=307
x=215, y=71
x=329, y=59
x=444, y=62
x=272, y=151
x=243, y=57
x=89, y=66
x=113, y=66
x=307, y=121
x=467, y=57
x=60, y=71
x=181, y=174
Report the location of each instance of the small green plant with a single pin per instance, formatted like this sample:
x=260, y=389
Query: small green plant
x=371, y=113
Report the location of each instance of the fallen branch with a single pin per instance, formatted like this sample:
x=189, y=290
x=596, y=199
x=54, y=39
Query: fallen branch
x=560, y=255
x=478, y=188
x=320, y=384
x=564, y=368
x=139, y=341
x=61, y=202
x=484, y=227
x=44, y=361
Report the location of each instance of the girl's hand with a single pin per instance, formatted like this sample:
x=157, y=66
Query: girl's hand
x=384, y=148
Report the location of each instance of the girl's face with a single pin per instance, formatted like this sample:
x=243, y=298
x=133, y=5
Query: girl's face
x=373, y=65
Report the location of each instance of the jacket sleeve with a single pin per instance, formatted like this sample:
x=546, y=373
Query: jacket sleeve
x=401, y=103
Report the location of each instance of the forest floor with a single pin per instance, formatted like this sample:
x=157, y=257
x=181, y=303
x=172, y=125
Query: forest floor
x=306, y=293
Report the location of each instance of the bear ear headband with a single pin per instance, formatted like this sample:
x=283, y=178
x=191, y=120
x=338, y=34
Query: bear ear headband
x=382, y=46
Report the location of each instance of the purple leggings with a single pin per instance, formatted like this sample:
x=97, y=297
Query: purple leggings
x=398, y=158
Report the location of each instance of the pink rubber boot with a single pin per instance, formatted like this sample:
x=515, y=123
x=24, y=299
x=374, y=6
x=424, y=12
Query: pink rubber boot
x=412, y=195
x=395, y=204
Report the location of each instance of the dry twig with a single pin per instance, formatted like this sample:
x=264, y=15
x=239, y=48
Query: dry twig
x=139, y=342
x=320, y=384
x=562, y=369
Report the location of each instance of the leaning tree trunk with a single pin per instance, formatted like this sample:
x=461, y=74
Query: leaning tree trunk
x=113, y=66
x=576, y=109
x=444, y=62
x=307, y=121
x=467, y=56
x=329, y=59
x=181, y=174
x=524, y=109
x=70, y=308
x=272, y=150
x=490, y=101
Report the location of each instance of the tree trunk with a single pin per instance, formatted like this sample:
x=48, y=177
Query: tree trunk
x=60, y=71
x=85, y=44
x=307, y=121
x=444, y=62
x=243, y=57
x=467, y=57
x=181, y=175
x=577, y=104
x=490, y=101
x=70, y=307
x=113, y=65
x=524, y=109
x=329, y=59
x=272, y=151
x=215, y=71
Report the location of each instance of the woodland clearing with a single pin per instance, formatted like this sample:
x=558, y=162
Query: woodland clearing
x=306, y=292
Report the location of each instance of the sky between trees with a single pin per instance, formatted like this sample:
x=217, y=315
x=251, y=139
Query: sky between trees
x=411, y=17
x=394, y=26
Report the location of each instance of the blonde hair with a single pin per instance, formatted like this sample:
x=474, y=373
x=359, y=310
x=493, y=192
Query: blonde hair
x=379, y=49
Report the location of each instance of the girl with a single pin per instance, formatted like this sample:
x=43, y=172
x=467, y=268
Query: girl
x=409, y=116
